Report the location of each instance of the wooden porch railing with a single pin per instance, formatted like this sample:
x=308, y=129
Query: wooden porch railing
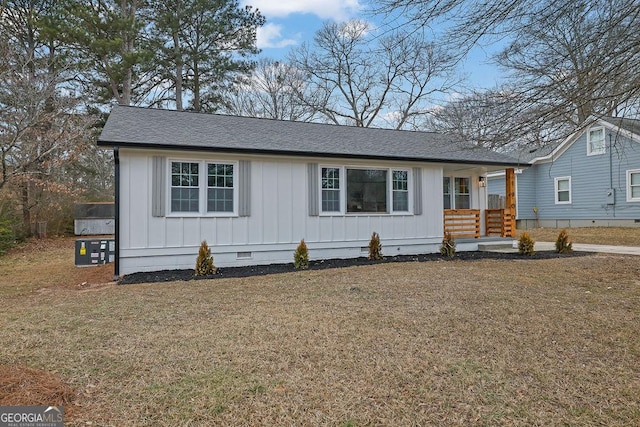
x=499, y=222
x=462, y=222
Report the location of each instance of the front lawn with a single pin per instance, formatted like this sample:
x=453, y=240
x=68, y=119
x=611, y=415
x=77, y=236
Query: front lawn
x=489, y=342
x=617, y=236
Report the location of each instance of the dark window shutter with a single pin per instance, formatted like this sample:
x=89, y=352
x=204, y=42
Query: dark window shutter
x=158, y=186
x=312, y=179
x=417, y=191
x=244, y=188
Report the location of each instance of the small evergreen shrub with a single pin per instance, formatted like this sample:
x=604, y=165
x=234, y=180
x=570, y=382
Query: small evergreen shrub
x=448, y=247
x=204, y=262
x=301, y=256
x=563, y=243
x=375, y=247
x=525, y=244
x=7, y=236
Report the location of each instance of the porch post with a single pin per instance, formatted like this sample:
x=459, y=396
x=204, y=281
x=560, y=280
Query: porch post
x=510, y=202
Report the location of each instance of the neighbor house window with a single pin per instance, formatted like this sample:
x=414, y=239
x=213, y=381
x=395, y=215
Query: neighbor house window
x=400, y=190
x=367, y=190
x=185, y=187
x=633, y=185
x=330, y=189
x=219, y=187
x=595, y=141
x=563, y=190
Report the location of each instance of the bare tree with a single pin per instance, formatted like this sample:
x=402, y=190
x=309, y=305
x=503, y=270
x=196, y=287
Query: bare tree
x=42, y=131
x=583, y=63
x=356, y=78
x=568, y=59
x=39, y=129
x=494, y=119
x=270, y=92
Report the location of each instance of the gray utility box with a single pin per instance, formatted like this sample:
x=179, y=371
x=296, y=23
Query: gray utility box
x=94, y=251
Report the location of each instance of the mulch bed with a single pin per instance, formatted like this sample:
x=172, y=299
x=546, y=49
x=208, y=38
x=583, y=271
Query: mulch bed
x=261, y=270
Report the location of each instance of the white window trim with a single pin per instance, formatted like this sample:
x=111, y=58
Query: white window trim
x=236, y=201
x=555, y=193
x=604, y=139
x=409, y=210
x=343, y=190
x=629, y=197
x=452, y=191
x=202, y=189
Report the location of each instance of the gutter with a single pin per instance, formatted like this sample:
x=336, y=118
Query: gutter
x=317, y=154
x=116, y=158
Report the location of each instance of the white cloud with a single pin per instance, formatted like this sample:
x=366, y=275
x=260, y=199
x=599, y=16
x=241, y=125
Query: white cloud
x=336, y=10
x=270, y=35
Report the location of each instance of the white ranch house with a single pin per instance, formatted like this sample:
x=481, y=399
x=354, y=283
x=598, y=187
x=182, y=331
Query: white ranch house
x=253, y=188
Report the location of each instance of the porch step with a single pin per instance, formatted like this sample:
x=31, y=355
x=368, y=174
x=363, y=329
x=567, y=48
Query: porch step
x=496, y=247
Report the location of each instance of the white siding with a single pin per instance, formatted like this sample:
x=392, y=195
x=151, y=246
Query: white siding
x=279, y=219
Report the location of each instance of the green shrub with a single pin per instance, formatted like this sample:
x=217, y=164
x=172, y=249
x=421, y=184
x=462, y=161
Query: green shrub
x=301, y=256
x=448, y=247
x=204, y=262
x=563, y=243
x=375, y=247
x=7, y=236
x=525, y=244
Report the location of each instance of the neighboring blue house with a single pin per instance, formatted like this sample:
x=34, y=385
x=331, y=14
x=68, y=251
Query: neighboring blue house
x=590, y=179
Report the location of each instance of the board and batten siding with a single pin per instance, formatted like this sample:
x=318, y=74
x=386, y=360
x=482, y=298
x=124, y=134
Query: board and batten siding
x=278, y=217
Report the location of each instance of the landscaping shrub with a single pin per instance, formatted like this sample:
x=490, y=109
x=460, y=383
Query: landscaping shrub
x=204, y=262
x=448, y=247
x=563, y=243
x=525, y=244
x=7, y=237
x=301, y=256
x=375, y=247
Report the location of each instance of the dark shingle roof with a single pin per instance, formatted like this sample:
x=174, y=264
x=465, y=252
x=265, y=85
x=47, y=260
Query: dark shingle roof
x=631, y=125
x=527, y=153
x=152, y=128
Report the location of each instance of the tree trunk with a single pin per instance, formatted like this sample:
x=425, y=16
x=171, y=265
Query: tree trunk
x=179, y=69
x=26, y=211
x=128, y=9
x=196, y=87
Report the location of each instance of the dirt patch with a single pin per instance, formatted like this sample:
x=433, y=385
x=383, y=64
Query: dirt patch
x=20, y=385
x=261, y=270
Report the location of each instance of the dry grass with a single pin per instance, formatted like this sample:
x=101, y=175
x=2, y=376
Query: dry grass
x=43, y=264
x=527, y=342
x=618, y=236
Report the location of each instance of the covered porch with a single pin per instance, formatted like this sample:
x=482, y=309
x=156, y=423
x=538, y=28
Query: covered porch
x=474, y=223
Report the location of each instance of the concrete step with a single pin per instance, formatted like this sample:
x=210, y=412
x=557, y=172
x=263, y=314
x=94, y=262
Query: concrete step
x=496, y=247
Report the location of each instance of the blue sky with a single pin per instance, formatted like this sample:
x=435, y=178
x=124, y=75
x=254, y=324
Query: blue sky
x=292, y=22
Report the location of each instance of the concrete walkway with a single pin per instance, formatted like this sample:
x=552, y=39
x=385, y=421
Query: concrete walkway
x=583, y=247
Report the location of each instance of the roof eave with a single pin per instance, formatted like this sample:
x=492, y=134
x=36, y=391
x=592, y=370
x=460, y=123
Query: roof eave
x=106, y=143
